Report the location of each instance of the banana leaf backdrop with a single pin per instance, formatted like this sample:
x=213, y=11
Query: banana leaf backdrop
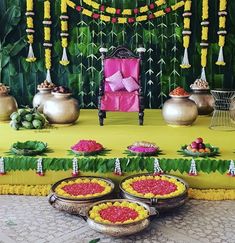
x=161, y=37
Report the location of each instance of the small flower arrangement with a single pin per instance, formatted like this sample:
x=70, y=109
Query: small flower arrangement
x=160, y=186
x=83, y=188
x=118, y=212
x=143, y=148
x=87, y=147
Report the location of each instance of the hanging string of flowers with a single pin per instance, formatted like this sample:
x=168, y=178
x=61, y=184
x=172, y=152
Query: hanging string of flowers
x=47, y=37
x=123, y=20
x=222, y=31
x=30, y=29
x=119, y=11
x=204, y=37
x=186, y=33
x=64, y=32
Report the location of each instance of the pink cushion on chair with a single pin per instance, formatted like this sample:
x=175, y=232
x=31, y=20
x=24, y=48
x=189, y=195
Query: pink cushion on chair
x=130, y=84
x=115, y=81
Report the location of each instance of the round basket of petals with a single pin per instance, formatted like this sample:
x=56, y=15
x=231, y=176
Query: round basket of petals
x=87, y=147
x=143, y=148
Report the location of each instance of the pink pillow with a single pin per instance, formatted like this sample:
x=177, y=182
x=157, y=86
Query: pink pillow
x=115, y=81
x=130, y=84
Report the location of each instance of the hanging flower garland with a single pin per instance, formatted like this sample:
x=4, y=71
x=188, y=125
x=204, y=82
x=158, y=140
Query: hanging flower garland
x=30, y=30
x=204, y=38
x=119, y=11
x=186, y=33
x=123, y=20
x=64, y=32
x=47, y=37
x=222, y=31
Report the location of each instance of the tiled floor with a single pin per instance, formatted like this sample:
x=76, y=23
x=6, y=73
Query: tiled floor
x=32, y=219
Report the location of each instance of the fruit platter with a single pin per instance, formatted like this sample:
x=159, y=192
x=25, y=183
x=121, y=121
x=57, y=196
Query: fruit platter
x=198, y=148
x=87, y=148
x=143, y=148
x=28, y=148
x=119, y=217
x=27, y=118
x=74, y=194
x=164, y=192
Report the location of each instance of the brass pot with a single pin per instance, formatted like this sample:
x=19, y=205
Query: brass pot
x=204, y=101
x=41, y=97
x=8, y=105
x=72, y=205
x=180, y=111
x=161, y=205
x=119, y=230
x=61, y=109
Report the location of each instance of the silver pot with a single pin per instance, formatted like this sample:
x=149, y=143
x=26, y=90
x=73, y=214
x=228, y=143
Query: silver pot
x=41, y=97
x=204, y=101
x=72, y=205
x=161, y=205
x=61, y=109
x=116, y=230
x=8, y=105
x=180, y=111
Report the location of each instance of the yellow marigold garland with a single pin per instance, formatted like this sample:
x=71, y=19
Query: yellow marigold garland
x=94, y=213
x=64, y=32
x=128, y=188
x=59, y=189
x=47, y=37
x=30, y=29
x=222, y=30
x=186, y=33
x=204, y=37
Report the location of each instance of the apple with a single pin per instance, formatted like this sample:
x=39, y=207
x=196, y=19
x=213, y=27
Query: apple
x=199, y=140
x=194, y=145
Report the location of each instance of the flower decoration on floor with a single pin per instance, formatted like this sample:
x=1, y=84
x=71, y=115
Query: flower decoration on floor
x=47, y=37
x=83, y=188
x=199, y=149
x=118, y=212
x=204, y=37
x=64, y=32
x=150, y=186
x=143, y=148
x=88, y=148
x=186, y=33
x=30, y=29
x=123, y=20
x=222, y=30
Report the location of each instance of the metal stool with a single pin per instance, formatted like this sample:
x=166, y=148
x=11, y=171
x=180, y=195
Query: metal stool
x=224, y=110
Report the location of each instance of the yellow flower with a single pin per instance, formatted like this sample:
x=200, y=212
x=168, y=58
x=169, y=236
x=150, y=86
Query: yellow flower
x=110, y=10
x=122, y=20
x=177, y=5
x=204, y=33
x=105, y=18
x=30, y=39
x=141, y=18
x=222, y=21
x=47, y=33
x=222, y=5
x=203, y=57
x=187, y=6
x=221, y=40
x=63, y=6
x=29, y=5
x=64, y=25
x=186, y=23
x=160, y=2
x=48, y=58
x=71, y=4
x=95, y=5
x=29, y=22
x=144, y=9
x=87, y=12
x=205, y=8
x=47, y=10
x=159, y=13
x=126, y=12
x=31, y=59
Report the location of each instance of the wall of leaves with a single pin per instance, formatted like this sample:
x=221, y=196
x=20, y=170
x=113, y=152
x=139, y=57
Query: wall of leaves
x=162, y=38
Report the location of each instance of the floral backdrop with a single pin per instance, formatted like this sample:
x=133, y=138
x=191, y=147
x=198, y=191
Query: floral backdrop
x=162, y=38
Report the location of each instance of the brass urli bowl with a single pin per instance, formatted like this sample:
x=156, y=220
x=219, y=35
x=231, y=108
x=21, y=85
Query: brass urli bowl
x=162, y=205
x=119, y=230
x=76, y=205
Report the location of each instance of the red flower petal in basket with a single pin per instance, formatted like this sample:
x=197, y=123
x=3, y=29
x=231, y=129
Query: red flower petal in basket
x=83, y=188
x=157, y=187
x=118, y=214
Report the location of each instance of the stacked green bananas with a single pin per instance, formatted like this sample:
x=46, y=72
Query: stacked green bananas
x=27, y=118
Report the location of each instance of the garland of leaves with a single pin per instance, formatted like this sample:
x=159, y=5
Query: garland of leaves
x=123, y=20
x=30, y=29
x=204, y=37
x=186, y=33
x=118, y=11
x=104, y=165
x=47, y=37
x=64, y=32
x=222, y=31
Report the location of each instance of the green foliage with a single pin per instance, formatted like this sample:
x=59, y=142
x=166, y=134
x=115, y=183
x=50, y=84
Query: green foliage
x=162, y=38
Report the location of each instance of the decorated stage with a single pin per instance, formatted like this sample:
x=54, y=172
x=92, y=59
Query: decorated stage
x=119, y=131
